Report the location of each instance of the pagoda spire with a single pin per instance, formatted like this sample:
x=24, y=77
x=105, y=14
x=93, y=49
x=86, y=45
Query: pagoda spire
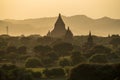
x=59, y=28
x=90, y=33
x=59, y=15
x=68, y=36
x=90, y=42
x=68, y=28
x=7, y=29
x=59, y=20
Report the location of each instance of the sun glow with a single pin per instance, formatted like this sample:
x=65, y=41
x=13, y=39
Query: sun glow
x=21, y=9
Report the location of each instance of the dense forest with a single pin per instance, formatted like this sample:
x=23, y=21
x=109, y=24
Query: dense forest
x=56, y=58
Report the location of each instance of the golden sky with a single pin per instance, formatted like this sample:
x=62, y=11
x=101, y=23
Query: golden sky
x=22, y=9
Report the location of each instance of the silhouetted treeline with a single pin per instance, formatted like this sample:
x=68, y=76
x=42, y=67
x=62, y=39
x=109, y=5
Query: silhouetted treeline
x=40, y=51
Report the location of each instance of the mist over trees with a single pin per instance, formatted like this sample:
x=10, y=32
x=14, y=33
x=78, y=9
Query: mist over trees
x=60, y=54
x=79, y=24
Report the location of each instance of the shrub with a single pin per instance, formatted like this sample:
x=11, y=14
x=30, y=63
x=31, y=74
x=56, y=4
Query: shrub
x=46, y=72
x=115, y=42
x=77, y=58
x=2, y=75
x=20, y=74
x=64, y=62
x=22, y=50
x=11, y=72
x=57, y=72
x=42, y=50
x=63, y=48
x=11, y=49
x=53, y=56
x=98, y=49
x=37, y=74
x=98, y=58
x=8, y=67
x=54, y=72
x=47, y=61
x=33, y=63
x=113, y=58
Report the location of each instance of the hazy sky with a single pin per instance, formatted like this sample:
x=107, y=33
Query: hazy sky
x=22, y=9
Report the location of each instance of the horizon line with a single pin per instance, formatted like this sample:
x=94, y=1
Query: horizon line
x=62, y=15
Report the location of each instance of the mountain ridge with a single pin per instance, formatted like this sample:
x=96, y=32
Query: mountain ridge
x=79, y=24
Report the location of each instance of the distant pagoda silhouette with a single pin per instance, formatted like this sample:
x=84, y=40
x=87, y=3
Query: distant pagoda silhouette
x=60, y=31
x=90, y=42
x=68, y=36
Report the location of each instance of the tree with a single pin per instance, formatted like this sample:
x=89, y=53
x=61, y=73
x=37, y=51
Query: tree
x=113, y=57
x=42, y=50
x=63, y=48
x=2, y=52
x=8, y=67
x=94, y=72
x=24, y=40
x=22, y=50
x=53, y=56
x=20, y=74
x=11, y=49
x=117, y=51
x=54, y=72
x=115, y=42
x=3, y=44
x=13, y=57
x=12, y=72
x=64, y=62
x=47, y=61
x=50, y=59
x=98, y=58
x=100, y=49
x=33, y=63
x=37, y=75
x=77, y=58
x=2, y=75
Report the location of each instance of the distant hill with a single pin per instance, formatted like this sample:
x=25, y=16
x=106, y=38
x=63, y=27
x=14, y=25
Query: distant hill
x=79, y=24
